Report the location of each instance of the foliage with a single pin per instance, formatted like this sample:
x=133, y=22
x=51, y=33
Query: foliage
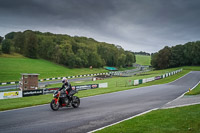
x=179, y=55
x=69, y=51
x=1, y=39
x=30, y=45
x=6, y=46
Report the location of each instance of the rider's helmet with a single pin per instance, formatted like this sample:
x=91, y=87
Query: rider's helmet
x=64, y=80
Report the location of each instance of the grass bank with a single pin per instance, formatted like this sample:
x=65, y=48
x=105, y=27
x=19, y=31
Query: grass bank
x=12, y=65
x=143, y=60
x=177, y=120
x=195, y=91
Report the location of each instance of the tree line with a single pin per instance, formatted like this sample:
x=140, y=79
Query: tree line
x=142, y=53
x=66, y=50
x=179, y=55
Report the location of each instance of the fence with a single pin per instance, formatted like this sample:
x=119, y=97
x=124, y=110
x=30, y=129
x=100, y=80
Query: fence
x=58, y=78
x=26, y=93
x=141, y=81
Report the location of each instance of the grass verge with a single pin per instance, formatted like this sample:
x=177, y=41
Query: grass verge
x=176, y=120
x=195, y=91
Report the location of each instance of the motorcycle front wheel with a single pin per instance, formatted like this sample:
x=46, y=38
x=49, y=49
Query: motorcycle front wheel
x=54, y=106
x=75, y=102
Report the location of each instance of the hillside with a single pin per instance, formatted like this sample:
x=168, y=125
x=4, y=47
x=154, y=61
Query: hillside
x=70, y=51
x=143, y=59
x=12, y=66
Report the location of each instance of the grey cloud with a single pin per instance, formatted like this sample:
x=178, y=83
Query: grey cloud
x=135, y=24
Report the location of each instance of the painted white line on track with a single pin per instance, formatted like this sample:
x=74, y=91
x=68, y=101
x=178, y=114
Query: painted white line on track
x=182, y=94
x=151, y=109
x=180, y=105
x=123, y=120
x=23, y=108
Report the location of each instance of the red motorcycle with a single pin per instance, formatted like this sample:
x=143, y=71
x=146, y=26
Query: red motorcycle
x=63, y=99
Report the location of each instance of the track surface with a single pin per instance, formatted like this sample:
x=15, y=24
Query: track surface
x=96, y=111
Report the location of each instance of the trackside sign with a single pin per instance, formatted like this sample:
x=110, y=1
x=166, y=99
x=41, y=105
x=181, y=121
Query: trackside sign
x=11, y=94
x=32, y=92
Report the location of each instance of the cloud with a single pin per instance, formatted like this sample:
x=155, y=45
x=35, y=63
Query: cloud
x=137, y=25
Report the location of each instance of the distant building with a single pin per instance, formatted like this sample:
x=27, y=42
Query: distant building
x=29, y=81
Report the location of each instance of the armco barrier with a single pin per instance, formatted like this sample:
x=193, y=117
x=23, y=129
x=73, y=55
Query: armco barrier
x=78, y=87
x=141, y=81
x=57, y=78
x=136, y=82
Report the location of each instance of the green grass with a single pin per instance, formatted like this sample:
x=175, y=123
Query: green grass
x=121, y=82
x=177, y=120
x=7, y=104
x=195, y=91
x=143, y=60
x=12, y=66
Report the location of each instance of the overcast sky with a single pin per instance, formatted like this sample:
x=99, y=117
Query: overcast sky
x=136, y=25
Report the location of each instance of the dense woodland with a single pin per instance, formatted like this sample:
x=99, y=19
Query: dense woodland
x=66, y=50
x=179, y=55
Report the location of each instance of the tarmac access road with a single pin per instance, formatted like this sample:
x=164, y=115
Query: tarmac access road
x=95, y=111
x=42, y=84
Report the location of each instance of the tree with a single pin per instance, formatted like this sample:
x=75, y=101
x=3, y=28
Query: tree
x=177, y=56
x=130, y=58
x=30, y=45
x=154, y=60
x=6, y=44
x=121, y=60
x=164, y=58
x=1, y=39
x=161, y=59
x=19, y=42
x=10, y=35
x=94, y=60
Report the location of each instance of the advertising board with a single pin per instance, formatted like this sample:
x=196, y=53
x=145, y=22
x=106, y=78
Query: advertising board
x=11, y=94
x=32, y=92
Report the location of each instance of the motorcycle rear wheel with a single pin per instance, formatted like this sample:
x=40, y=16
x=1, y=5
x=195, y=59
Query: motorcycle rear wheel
x=76, y=102
x=54, y=106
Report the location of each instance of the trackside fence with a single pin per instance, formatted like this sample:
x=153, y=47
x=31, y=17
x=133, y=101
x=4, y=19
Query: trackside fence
x=141, y=81
x=26, y=93
x=58, y=78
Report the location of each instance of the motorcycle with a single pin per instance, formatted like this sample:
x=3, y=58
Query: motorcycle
x=63, y=99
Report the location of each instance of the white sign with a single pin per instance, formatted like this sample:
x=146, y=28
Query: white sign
x=10, y=94
x=103, y=85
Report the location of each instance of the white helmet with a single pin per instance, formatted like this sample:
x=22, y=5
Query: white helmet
x=64, y=80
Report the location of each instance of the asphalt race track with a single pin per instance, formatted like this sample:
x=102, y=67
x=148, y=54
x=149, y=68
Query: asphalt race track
x=96, y=111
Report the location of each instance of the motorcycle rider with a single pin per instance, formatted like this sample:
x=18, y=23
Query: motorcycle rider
x=67, y=87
